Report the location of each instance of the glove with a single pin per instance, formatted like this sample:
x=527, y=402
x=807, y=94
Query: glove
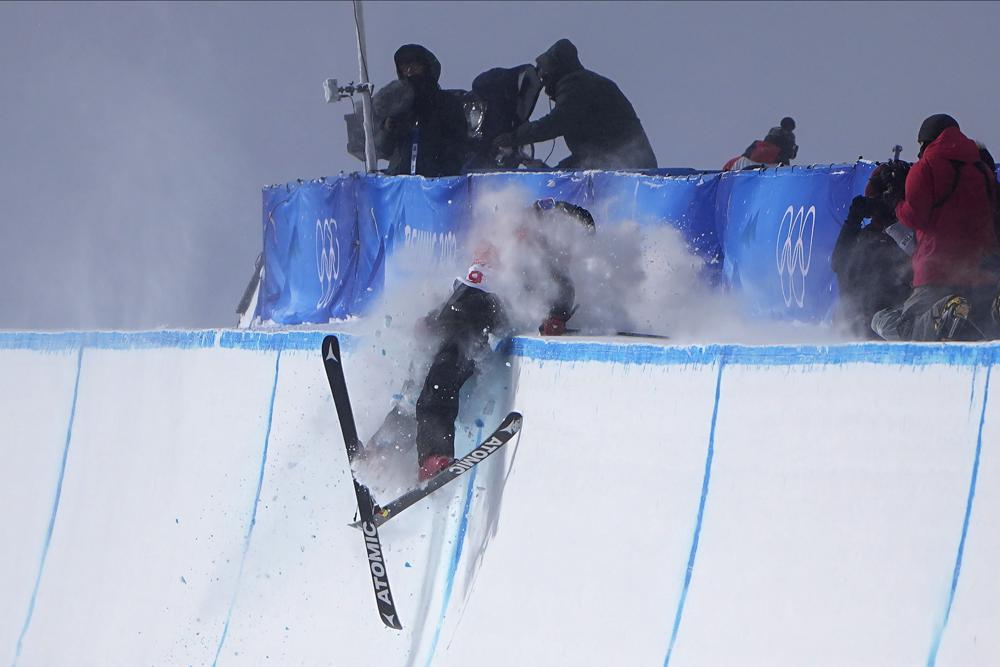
x=552, y=326
x=505, y=140
x=861, y=208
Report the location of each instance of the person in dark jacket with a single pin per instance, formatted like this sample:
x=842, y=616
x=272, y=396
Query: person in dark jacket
x=950, y=199
x=778, y=148
x=598, y=123
x=872, y=262
x=429, y=138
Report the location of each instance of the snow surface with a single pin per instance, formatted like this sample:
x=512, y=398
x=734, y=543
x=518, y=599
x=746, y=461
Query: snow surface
x=174, y=498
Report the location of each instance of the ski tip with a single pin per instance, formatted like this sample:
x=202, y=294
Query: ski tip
x=331, y=348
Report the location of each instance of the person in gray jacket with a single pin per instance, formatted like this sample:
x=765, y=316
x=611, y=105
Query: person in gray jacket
x=598, y=123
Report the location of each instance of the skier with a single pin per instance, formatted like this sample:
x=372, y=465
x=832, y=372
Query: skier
x=778, y=148
x=950, y=200
x=498, y=295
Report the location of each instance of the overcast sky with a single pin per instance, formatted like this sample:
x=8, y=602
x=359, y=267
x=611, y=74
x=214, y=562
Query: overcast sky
x=135, y=137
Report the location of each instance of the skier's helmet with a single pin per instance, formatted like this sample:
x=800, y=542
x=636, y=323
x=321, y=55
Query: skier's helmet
x=550, y=208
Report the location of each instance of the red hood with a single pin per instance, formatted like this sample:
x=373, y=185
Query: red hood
x=952, y=145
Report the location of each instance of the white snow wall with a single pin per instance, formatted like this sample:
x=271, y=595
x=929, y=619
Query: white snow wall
x=181, y=498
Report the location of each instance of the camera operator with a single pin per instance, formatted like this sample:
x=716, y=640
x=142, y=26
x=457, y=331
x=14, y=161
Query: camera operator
x=949, y=199
x=872, y=262
x=421, y=129
x=598, y=123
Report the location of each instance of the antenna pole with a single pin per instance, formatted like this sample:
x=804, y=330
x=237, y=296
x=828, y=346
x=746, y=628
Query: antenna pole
x=371, y=162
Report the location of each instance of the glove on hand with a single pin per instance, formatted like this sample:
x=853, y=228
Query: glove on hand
x=505, y=140
x=552, y=326
x=861, y=208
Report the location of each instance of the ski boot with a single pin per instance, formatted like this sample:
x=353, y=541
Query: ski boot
x=953, y=321
x=432, y=465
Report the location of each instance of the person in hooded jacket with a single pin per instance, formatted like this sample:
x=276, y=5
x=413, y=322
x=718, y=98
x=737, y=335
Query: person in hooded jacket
x=598, y=123
x=434, y=124
x=949, y=200
x=778, y=148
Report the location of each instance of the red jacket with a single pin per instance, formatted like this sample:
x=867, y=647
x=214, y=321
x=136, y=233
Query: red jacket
x=759, y=152
x=954, y=237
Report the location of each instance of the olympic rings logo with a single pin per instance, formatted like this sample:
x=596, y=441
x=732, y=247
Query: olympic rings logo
x=793, y=252
x=327, y=260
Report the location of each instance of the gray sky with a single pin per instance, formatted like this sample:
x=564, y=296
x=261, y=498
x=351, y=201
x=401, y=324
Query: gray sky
x=135, y=137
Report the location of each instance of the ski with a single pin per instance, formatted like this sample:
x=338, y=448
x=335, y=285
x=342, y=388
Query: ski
x=509, y=427
x=366, y=506
x=629, y=334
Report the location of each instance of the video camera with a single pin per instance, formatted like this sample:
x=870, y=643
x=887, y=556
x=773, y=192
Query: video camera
x=888, y=181
x=500, y=101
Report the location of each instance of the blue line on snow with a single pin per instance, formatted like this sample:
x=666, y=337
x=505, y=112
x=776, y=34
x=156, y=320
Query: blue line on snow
x=282, y=340
x=55, y=508
x=909, y=354
x=456, y=556
x=701, y=515
x=170, y=339
x=972, y=388
x=105, y=340
x=936, y=642
x=253, y=511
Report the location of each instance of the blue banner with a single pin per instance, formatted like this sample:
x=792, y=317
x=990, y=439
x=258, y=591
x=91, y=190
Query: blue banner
x=779, y=227
x=429, y=218
x=685, y=203
x=312, y=252
x=330, y=244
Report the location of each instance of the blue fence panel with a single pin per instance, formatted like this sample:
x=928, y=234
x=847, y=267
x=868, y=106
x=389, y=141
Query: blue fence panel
x=332, y=246
x=779, y=227
x=427, y=219
x=521, y=189
x=312, y=251
x=685, y=203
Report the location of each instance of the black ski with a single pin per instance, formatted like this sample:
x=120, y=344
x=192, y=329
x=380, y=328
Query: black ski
x=629, y=334
x=366, y=506
x=509, y=427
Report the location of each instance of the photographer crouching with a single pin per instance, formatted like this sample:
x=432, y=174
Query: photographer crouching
x=950, y=200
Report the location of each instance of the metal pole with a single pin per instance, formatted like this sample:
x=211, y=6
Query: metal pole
x=371, y=162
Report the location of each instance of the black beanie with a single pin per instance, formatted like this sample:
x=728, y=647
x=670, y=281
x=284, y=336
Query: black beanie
x=788, y=123
x=933, y=126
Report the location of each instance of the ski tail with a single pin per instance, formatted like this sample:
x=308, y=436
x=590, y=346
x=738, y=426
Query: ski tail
x=376, y=559
x=333, y=363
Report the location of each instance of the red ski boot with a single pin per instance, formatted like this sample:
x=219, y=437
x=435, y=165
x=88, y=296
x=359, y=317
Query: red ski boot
x=431, y=466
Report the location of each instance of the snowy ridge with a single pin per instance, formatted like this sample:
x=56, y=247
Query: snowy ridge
x=182, y=498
